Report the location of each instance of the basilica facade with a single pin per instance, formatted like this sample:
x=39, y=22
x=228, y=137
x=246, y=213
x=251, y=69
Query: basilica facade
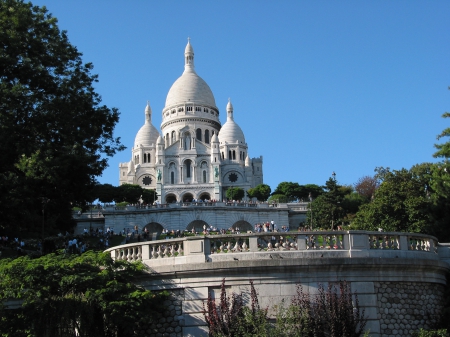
x=194, y=157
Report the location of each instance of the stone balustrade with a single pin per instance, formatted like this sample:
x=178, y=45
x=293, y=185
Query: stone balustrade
x=294, y=206
x=269, y=245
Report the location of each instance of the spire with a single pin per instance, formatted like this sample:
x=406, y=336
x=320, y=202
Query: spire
x=148, y=113
x=229, y=110
x=189, y=57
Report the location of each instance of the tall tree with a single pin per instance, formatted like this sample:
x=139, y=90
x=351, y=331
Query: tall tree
x=333, y=206
x=55, y=136
x=296, y=191
x=260, y=192
x=401, y=203
x=443, y=150
x=129, y=192
x=235, y=193
x=70, y=295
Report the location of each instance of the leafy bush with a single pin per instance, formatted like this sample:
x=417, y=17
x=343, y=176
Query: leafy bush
x=431, y=333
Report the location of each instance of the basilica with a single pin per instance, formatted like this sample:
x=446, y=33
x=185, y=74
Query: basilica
x=194, y=157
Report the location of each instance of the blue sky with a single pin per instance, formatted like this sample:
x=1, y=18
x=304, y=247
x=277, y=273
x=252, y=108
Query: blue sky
x=317, y=86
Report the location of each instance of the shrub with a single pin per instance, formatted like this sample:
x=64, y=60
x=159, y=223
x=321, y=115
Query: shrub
x=329, y=313
x=431, y=333
x=232, y=318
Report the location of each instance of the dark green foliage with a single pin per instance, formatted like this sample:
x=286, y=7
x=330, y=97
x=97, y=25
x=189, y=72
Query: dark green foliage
x=129, y=193
x=295, y=191
x=334, y=207
x=401, y=203
x=443, y=150
x=148, y=196
x=278, y=198
x=55, y=135
x=260, y=192
x=329, y=313
x=105, y=192
x=90, y=293
x=235, y=193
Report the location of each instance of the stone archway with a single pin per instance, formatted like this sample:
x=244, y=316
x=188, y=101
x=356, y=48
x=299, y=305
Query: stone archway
x=171, y=198
x=205, y=196
x=154, y=227
x=198, y=225
x=243, y=226
x=187, y=197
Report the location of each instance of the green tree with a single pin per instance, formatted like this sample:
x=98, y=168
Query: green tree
x=55, y=136
x=278, y=198
x=260, y=192
x=105, y=192
x=401, y=203
x=443, y=150
x=333, y=206
x=290, y=190
x=68, y=295
x=235, y=193
x=148, y=196
x=294, y=191
x=129, y=192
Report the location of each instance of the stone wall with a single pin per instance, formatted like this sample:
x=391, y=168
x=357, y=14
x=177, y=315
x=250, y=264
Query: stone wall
x=170, y=322
x=404, y=307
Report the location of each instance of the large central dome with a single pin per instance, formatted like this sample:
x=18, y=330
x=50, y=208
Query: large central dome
x=190, y=87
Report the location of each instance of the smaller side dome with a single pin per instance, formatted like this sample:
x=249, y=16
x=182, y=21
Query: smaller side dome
x=230, y=131
x=147, y=134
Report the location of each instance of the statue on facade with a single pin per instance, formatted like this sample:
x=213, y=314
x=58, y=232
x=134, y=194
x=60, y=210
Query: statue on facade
x=158, y=174
x=216, y=171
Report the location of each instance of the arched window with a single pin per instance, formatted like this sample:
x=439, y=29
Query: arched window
x=204, y=176
x=199, y=134
x=207, y=136
x=173, y=137
x=148, y=158
x=167, y=139
x=223, y=156
x=188, y=168
x=145, y=158
x=234, y=154
x=229, y=154
x=187, y=141
x=172, y=177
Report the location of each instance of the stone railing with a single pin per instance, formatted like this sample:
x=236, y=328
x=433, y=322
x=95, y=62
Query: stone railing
x=112, y=208
x=249, y=246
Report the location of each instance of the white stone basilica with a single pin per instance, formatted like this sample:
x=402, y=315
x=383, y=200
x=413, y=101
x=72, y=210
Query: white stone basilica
x=195, y=157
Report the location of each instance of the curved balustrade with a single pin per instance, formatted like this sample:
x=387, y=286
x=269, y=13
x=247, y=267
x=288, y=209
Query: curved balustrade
x=199, y=249
x=148, y=250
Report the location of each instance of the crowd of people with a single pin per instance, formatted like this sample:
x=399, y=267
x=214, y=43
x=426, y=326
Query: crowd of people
x=270, y=227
